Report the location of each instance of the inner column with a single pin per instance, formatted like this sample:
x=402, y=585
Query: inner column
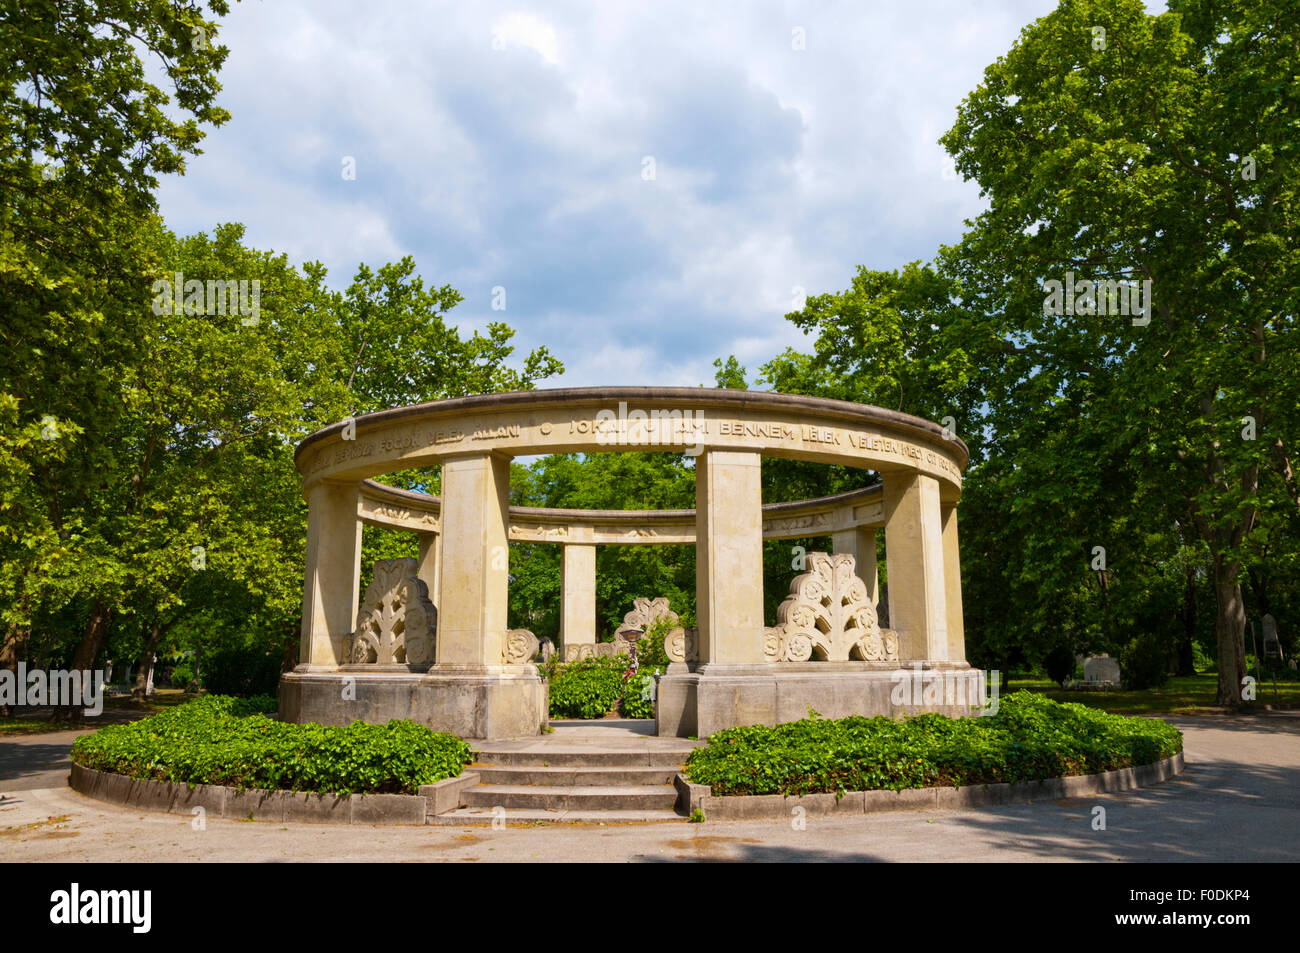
x=914, y=556
x=860, y=543
x=430, y=562
x=474, y=580
x=578, y=598
x=952, y=584
x=331, y=589
x=729, y=558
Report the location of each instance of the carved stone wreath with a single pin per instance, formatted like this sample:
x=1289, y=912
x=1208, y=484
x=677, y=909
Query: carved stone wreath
x=584, y=650
x=397, y=622
x=521, y=647
x=827, y=615
x=679, y=643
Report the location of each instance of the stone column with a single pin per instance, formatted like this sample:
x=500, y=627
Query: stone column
x=333, y=576
x=952, y=584
x=578, y=601
x=860, y=543
x=475, y=557
x=914, y=557
x=430, y=564
x=729, y=558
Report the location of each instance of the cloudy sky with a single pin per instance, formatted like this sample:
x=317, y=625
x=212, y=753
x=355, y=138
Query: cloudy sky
x=652, y=184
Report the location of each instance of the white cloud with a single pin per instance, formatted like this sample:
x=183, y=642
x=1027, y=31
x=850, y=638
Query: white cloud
x=527, y=30
x=518, y=162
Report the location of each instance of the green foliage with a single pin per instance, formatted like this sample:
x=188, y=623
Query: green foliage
x=593, y=687
x=228, y=741
x=587, y=688
x=1200, y=661
x=650, y=647
x=84, y=133
x=1144, y=662
x=730, y=375
x=1059, y=663
x=636, y=698
x=241, y=669
x=135, y=431
x=182, y=677
x=1124, y=160
x=603, y=481
x=1030, y=737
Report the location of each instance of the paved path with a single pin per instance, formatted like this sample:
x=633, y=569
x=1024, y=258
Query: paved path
x=1238, y=800
x=31, y=762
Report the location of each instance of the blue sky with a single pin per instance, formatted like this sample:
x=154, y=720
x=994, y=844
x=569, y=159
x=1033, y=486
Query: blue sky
x=505, y=144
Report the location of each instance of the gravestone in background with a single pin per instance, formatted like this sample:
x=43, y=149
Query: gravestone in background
x=1101, y=669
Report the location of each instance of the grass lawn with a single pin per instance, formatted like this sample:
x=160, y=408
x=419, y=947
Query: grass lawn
x=29, y=725
x=116, y=709
x=1179, y=695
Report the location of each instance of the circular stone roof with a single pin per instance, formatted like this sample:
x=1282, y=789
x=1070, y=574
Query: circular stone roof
x=601, y=419
x=422, y=512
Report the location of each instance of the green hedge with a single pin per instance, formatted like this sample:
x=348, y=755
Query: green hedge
x=593, y=686
x=1030, y=737
x=222, y=740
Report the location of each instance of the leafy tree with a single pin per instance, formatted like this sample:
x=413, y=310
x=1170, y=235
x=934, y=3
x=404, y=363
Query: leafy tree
x=1162, y=149
x=1115, y=146
x=730, y=375
x=83, y=136
x=400, y=350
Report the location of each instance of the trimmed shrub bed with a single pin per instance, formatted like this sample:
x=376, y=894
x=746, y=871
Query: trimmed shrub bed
x=593, y=686
x=230, y=741
x=1030, y=738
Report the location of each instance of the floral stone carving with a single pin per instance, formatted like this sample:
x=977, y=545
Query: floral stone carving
x=396, y=622
x=827, y=615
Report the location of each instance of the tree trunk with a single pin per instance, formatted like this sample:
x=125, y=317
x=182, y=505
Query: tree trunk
x=1229, y=632
x=1186, y=655
x=83, y=660
x=13, y=650
x=144, y=669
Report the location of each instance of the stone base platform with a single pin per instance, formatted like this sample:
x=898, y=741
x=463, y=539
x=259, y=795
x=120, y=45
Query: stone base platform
x=512, y=702
x=609, y=771
x=698, y=703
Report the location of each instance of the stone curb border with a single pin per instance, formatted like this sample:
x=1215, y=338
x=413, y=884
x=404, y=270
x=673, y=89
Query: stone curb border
x=260, y=805
x=692, y=797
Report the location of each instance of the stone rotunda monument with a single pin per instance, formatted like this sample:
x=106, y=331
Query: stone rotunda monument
x=429, y=640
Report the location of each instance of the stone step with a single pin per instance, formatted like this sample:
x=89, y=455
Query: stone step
x=483, y=817
x=673, y=757
x=642, y=797
x=574, y=777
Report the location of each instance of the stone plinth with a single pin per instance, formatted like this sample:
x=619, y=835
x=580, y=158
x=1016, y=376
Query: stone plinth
x=511, y=702
x=700, y=703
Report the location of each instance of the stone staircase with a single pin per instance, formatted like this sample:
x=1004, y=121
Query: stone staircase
x=605, y=772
